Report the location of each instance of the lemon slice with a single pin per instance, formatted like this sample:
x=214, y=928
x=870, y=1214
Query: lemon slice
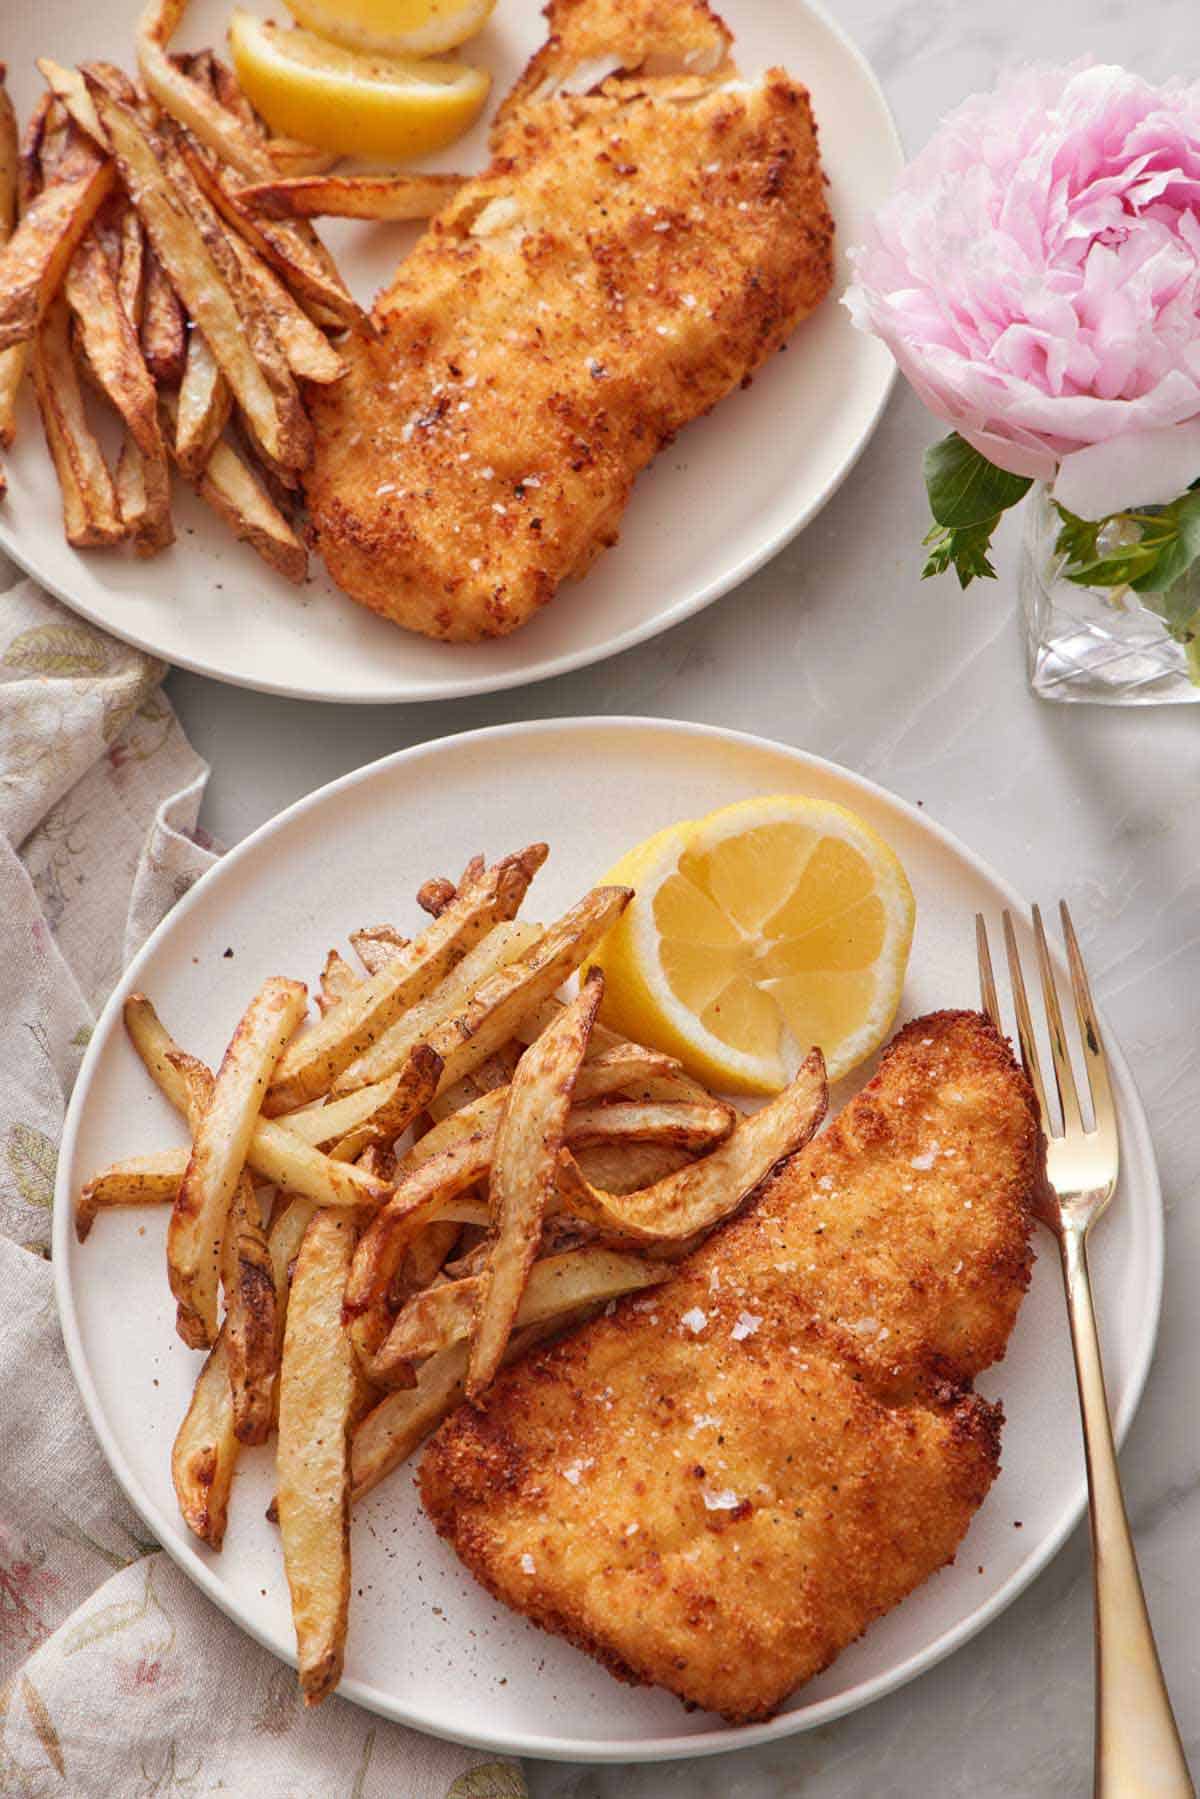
x=394, y=27
x=352, y=104
x=767, y=927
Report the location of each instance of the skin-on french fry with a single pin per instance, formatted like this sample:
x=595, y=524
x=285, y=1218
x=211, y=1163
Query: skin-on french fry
x=337, y=980
x=378, y=944
x=414, y=1088
x=138, y=1181
x=91, y=515
x=250, y=1319
x=203, y=407
x=352, y=196
x=487, y=1021
x=417, y=1201
x=163, y=328
x=205, y=1451
x=293, y=250
x=319, y=1056
x=219, y=1152
x=309, y=353
x=235, y=494
x=400, y=1422
x=705, y=1192
x=441, y=1316
x=431, y=1019
x=114, y=356
x=688, y=1127
x=186, y=100
x=434, y=895
x=529, y=1140
x=131, y=270
x=318, y=1390
x=68, y=86
x=623, y=1167
x=497, y=1071
x=191, y=245
x=35, y=258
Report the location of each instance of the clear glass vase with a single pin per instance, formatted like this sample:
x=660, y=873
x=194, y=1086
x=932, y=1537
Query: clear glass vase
x=1105, y=645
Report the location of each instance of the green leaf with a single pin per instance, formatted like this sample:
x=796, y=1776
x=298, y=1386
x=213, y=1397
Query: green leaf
x=32, y=1160
x=964, y=550
x=70, y=650
x=491, y=1780
x=107, y=1622
x=965, y=488
x=1077, y=537
x=1181, y=548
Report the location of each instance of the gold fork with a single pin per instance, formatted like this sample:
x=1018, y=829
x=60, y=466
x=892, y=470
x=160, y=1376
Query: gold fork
x=1138, y=1749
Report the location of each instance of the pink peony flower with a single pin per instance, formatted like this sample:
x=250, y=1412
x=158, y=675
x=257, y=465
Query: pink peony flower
x=1037, y=277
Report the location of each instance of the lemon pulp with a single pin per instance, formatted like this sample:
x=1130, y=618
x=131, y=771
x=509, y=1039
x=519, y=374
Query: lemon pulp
x=756, y=932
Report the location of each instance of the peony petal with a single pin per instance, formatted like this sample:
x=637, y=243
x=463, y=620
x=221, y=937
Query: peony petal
x=1141, y=468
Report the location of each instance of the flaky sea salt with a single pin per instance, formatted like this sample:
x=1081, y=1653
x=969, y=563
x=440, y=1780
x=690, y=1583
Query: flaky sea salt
x=747, y=1324
x=528, y=1565
x=724, y=1501
x=695, y=1320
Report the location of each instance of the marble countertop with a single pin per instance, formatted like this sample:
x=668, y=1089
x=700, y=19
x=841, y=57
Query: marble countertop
x=837, y=647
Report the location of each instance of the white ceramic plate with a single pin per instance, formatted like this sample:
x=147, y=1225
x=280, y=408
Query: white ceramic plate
x=427, y=1646
x=732, y=490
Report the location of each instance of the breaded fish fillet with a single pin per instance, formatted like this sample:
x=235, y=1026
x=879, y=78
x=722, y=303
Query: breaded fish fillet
x=627, y=259
x=717, y=1488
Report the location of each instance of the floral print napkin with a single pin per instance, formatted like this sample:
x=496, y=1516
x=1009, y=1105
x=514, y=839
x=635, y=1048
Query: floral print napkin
x=116, y=1676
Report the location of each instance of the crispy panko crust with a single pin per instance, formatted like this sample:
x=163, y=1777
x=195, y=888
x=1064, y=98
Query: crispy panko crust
x=627, y=259
x=718, y=1487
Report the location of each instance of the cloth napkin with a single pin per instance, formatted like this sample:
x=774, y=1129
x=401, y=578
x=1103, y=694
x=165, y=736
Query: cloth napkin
x=116, y=1676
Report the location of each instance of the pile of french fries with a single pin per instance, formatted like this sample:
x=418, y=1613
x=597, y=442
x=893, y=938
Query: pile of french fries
x=383, y=1206
x=155, y=251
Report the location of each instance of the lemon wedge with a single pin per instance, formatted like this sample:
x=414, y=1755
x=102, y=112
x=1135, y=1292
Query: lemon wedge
x=767, y=927
x=394, y=27
x=350, y=103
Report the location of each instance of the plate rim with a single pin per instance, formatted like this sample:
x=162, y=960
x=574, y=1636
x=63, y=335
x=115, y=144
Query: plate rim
x=704, y=595
x=557, y=1748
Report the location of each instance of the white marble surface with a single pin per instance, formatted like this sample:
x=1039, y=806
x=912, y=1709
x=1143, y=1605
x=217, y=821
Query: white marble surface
x=837, y=647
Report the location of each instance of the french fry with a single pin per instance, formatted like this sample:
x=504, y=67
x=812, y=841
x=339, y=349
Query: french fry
x=689, y=1127
x=434, y=895
x=292, y=249
x=378, y=944
x=164, y=333
x=131, y=269
x=185, y=100
x=705, y=1192
x=488, y=1019
x=205, y=1451
x=138, y=1181
x=190, y=243
x=497, y=1071
x=529, y=1140
x=319, y=1056
x=309, y=354
x=114, y=356
x=36, y=256
x=250, y=1319
x=69, y=87
x=91, y=515
x=219, y=1151
x=318, y=1390
x=203, y=408
x=403, y=1419
x=416, y=1202
x=337, y=980
x=432, y=1019
x=236, y=494
x=442, y=1316
x=427, y=1256
x=352, y=196
x=414, y=1087
x=622, y=1167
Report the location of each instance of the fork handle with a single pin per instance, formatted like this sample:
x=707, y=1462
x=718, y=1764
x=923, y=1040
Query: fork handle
x=1138, y=1747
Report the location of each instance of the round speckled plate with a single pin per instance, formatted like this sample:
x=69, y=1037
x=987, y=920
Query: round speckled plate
x=426, y=1644
x=733, y=489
